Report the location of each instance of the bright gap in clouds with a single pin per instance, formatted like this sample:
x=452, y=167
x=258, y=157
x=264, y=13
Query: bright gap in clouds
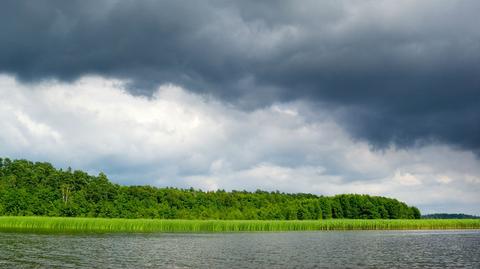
x=177, y=138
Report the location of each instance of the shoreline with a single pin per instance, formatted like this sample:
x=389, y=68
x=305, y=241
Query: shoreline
x=106, y=225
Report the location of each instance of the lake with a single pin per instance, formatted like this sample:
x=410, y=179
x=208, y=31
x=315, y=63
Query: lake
x=335, y=249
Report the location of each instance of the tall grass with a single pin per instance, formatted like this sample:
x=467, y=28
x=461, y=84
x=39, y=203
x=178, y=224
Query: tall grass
x=96, y=225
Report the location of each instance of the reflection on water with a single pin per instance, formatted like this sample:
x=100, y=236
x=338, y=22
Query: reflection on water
x=354, y=249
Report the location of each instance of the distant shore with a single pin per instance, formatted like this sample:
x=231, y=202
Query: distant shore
x=105, y=225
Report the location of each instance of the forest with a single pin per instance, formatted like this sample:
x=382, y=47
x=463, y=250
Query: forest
x=39, y=189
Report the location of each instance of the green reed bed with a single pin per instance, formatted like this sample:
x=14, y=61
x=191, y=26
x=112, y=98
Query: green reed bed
x=99, y=225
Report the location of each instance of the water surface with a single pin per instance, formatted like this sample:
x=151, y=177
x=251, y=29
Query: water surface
x=336, y=249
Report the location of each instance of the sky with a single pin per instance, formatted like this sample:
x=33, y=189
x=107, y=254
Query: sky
x=377, y=97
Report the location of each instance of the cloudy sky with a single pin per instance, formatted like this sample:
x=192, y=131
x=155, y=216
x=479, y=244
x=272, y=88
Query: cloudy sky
x=377, y=96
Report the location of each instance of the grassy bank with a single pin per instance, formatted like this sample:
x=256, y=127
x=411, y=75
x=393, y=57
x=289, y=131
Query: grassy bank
x=67, y=225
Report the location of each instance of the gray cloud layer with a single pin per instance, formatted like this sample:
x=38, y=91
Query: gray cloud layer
x=396, y=71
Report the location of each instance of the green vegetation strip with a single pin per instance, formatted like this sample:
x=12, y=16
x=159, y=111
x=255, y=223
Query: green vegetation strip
x=99, y=225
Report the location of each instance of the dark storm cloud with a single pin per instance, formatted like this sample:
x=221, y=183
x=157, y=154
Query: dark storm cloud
x=400, y=72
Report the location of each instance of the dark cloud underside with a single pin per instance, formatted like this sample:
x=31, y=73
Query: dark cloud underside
x=400, y=71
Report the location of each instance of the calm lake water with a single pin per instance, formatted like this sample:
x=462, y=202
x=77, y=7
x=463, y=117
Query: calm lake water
x=351, y=249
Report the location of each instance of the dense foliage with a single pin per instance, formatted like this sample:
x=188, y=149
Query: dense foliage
x=28, y=188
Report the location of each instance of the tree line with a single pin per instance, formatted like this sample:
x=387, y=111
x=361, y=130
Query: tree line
x=28, y=188
x=449, y=216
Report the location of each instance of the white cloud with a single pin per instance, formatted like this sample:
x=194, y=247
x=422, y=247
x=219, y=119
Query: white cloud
x=406, y=179
x=176, y=138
